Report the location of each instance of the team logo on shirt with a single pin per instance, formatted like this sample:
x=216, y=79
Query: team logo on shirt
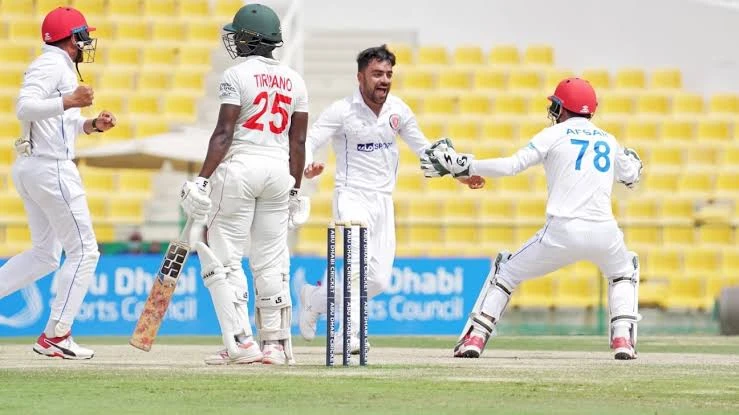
x=394, y=122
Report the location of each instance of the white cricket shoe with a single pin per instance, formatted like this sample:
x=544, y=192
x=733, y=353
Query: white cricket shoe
x=274, y=354
x=248, y=353
x=308, y=317
x=353, y=344
x=64, y=347
x=623, y=349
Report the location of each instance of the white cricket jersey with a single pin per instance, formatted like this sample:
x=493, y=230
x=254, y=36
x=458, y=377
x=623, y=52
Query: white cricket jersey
x=39, y=107
x=580, y=161
x=268, y=93
x=365, y=143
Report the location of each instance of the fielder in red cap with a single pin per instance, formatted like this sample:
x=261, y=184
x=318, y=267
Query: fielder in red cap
x=581, y=162
x=47, y=179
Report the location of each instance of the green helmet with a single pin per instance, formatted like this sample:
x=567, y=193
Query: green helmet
x=255, y=29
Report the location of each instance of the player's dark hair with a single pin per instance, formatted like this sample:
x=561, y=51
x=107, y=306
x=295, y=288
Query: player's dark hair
x=380, y=53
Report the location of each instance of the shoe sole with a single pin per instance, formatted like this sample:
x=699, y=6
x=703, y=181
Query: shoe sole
x=63, y=356
x=625, y=356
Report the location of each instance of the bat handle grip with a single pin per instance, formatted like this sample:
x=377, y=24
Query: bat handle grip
x=186, y=234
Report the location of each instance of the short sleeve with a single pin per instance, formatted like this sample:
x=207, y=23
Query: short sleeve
x=301, y=95
x=228, y=90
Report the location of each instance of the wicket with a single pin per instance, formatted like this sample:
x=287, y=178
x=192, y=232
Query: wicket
x=331, y=295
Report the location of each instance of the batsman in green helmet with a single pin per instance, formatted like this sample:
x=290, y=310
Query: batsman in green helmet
x=249, y=190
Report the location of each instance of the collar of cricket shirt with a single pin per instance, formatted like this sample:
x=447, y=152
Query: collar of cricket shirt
x=359, y=100
x=53, y=49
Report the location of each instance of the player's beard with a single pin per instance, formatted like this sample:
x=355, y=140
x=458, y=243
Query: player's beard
x=380, y=93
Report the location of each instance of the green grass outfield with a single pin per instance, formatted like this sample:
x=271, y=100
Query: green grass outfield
x=517, y=375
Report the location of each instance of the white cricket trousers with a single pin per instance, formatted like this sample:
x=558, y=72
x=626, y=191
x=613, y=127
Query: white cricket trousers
x=58, y=218
x=250, y=203
x=376, y=210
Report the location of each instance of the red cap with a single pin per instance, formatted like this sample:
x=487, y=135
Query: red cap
x=576, y=95
x=61, y=23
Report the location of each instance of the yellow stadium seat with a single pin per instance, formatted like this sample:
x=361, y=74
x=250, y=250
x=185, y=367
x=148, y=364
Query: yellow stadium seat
x=314, y=233
x=126, y=209
x=193, y=81
x=538, y=106
x=418, y=79
x=588, y=270
x=133, y=30
x=724, y=103
x=537, y=292
x=525, y=79
x=110, y=102
x=195, y=55
x=684, y=292
x=727, y=182
x=468, y=55
x=501, y=235
x=661, y=181
x=714, y=129
x=698, y=181
x=462, y=129
x=403, y=53
x=539, y=55
x=616, y=103
x=677, y=208
x=432, y=55
x=598, y=78
x=504, y=55
x=109, y=79
x=134, y=181
x=144, y=104
x=518, y=183
x=679, y=235
x=730, y=261
x=666, y=155
x=730, y=155
x=15, y=53
x=531, y=208
x=459, y=207
x=24, y=29
x=663, y=262
x=154, y=80
x=455, y=79
x=641, y=129
x=575, y=291
x=130, y=8
x=552, y=78
x=687, y=103
x=12, y=206
x=414, y=101
x=678, y=129
x=494, y=79
x=123, y=131
x=200, y=31
x=150, y=127
x=171, y=31
x=98, y=180
x=496, y=208
x=529, y=128
x=509, y=103
x=613, y=126
x=158, y=55
x=498, y=129
x=91, y=8
x=98, y=204
x=104, y=233
x=432, y=127
x=669, y=78
x=7, y=104
x=474, y=104
x=426, y=233
x=439, y=104
x=321, y=208
x=716, y=234
x=701, y=262
x=227, y=8
x=160, y=7
x=23, y=8
x=419, y=207
x=105, y=31
x=641, y=208
x=703, y=155
x=123, y=55
x=180, y=107
x=410, y=182
x=462, y=234
x=7, y=152
x=17, y=233
x=630, y=78
x=638, y=234
x=652, y=103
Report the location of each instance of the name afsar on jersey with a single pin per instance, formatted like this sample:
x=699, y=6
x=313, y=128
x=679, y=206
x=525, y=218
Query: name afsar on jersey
x=273, y=81
x=579, y=131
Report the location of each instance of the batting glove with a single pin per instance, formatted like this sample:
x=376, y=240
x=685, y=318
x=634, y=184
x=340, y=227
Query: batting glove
x=299, y=209
x=195, y=199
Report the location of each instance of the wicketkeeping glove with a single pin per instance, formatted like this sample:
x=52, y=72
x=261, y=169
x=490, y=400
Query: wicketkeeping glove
x=195, y=199
x=636, y=159
x=438, y=163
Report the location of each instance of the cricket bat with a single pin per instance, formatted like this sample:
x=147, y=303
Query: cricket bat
x=162, y=291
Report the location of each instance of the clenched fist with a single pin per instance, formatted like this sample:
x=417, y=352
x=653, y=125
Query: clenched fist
x=104, y=121
x=80, y=98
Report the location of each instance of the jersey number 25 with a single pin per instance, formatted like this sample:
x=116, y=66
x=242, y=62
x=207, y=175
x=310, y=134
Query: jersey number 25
x=262, y=99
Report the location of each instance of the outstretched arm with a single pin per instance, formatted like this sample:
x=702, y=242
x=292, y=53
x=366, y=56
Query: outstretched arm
x=440, y=162
x=507, y=166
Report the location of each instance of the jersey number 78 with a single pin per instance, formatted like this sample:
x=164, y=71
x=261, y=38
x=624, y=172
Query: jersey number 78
x=277, y=109
x=601, y=161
